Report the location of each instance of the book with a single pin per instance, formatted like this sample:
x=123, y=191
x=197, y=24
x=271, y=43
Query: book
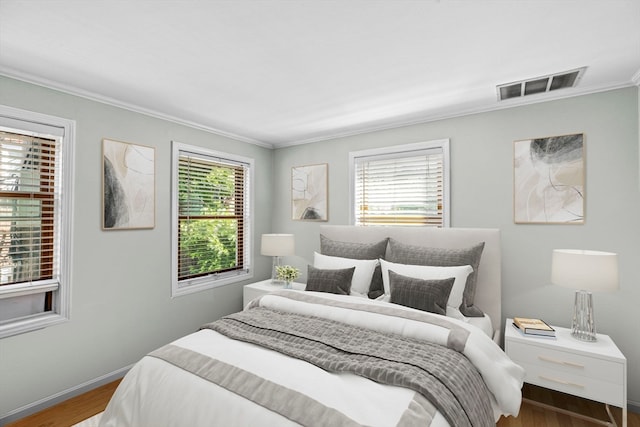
x=533, y=336
x=533, y=327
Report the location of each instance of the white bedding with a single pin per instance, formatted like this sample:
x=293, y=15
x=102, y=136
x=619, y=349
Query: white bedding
x=156, y=393
x=483, y=323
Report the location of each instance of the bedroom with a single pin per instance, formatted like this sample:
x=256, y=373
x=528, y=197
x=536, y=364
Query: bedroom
x=121, y=286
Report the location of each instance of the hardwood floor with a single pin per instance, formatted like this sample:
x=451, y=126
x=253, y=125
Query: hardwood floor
x=71, y=411
x=84, y=406
x=534, y=416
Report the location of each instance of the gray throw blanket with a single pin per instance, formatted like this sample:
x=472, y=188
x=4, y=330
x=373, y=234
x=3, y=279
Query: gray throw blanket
x=444, y=376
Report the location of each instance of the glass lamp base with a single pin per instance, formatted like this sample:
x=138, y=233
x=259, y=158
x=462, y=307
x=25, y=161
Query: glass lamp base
x=274, y=272
x=583, y=326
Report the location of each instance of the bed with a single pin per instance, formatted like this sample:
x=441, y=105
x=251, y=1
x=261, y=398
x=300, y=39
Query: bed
x=380, y=337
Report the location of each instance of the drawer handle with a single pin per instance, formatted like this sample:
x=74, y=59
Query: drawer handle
x=555, y=380
x=561, y=362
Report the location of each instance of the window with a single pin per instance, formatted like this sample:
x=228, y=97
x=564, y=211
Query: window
x=36, y=160
x=401, y=185
x=212, y=222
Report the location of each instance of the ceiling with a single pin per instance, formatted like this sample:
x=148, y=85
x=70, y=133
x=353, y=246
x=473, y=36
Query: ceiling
x=284, y=72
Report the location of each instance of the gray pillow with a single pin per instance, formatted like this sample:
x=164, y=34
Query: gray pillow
x=425, y=295
x=352, y=250
x=358, y=251
x=334, y=281
x=418, y=255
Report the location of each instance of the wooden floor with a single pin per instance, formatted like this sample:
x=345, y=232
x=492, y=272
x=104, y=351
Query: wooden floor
x=71, y=411
x=535, y=416
x=85, y=406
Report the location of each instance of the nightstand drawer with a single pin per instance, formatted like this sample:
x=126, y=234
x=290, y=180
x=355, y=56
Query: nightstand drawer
x=566, y=362
x=577, y=385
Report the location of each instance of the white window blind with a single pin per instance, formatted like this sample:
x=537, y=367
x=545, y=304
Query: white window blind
x=401, y=186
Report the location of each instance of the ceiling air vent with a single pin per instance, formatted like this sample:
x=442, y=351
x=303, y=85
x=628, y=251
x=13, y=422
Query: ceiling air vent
x=540, y=84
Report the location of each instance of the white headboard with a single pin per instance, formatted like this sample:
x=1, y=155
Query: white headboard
x=488, y=288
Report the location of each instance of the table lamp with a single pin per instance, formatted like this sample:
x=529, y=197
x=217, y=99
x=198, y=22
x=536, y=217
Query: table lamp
x=277, y=245
x=585, y=271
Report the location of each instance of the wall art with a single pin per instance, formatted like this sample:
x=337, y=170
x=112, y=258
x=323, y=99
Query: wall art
x=549, y=180
x=128, y=185
x=309, y=192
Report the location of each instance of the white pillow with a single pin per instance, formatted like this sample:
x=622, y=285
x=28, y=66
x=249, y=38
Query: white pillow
x=427, y=272
x=362, y=275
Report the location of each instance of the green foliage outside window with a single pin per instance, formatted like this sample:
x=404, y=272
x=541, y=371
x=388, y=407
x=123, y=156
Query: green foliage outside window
x=210, y=208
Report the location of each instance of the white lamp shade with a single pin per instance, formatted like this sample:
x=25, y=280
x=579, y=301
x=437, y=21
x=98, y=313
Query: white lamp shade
x=277, y=245
x=584, y=270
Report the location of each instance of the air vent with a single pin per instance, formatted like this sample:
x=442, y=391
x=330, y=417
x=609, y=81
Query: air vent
x=540, y=84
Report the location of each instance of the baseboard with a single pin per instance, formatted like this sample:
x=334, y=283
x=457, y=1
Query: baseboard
x=47, y=402
x=633, y=407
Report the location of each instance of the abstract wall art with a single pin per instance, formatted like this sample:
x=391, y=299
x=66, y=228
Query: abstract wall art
x=309, y=193
x=128, y=185
x=549, y=180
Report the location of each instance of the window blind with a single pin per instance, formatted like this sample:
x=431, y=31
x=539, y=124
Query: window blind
x=28, y=200
x=211, y=215
x=400, y=189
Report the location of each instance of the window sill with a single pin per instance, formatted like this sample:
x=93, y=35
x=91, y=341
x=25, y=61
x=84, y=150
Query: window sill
x=31, y=323
x=202, y=284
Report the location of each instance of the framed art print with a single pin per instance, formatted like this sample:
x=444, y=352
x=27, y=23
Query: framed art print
x=309, y=192
x=128, y=185
x=548, y=175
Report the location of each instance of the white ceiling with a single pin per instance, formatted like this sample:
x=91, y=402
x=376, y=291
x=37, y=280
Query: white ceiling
x=284, y=72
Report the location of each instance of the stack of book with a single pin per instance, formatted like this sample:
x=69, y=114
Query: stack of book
x=533, y=327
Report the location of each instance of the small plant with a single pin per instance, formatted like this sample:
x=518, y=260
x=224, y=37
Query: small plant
x=287, y=273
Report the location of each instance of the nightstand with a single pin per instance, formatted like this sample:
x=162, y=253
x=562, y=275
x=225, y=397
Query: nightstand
x=254, y=290
x=592, y=370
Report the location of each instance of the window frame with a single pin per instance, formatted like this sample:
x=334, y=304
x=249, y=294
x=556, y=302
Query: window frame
x=403, y=149
x=28, y=122
x=210, y=281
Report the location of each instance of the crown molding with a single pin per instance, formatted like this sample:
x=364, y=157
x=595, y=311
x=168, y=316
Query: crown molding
x=344, y=133
x=501, y=105
x=28, y=78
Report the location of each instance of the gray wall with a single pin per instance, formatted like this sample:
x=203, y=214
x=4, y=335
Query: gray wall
x=482, y=196
x=121, y=305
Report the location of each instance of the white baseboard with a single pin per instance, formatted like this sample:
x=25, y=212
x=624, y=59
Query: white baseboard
x=47, y=402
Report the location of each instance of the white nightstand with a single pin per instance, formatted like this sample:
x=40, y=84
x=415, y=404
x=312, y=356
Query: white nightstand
x=593, y=370
x=254, y=290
